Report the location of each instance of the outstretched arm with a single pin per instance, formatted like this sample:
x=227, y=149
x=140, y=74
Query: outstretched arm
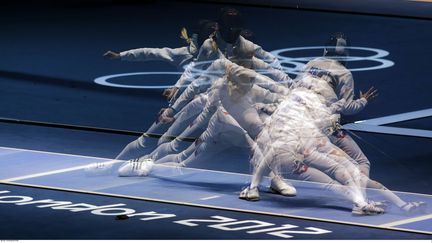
x=172, y=55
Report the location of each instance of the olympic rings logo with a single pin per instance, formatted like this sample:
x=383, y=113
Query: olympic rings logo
x=290, y=65
x=299, y=62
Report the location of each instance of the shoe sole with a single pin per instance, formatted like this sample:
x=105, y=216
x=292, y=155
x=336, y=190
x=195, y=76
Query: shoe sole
x=278, y=192
x=249, y=199
x=366, y=213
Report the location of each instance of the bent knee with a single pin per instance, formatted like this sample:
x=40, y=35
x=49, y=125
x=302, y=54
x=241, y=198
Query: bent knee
x=376, y=185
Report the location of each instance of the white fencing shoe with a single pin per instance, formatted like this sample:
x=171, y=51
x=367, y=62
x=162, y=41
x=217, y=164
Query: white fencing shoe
x=368, y=209
x=250, y=194
x=136, y=167
x=279, y=186
x=381, y=204
x=414, y=207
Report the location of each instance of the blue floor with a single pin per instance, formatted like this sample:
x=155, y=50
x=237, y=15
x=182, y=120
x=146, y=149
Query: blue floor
x=214, y=189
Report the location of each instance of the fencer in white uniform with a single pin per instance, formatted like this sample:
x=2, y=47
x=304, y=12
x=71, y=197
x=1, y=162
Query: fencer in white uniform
x=179, y=57
x=313, y=156
x=239, y=108
x=229, y=39
x=243, y=55
x=343, y=140
x=329, y=77
x=137, y=148
x=180, y=120
x=195, y=94
x=292, y=140
x=281, y=87
x=143, y=145
x=235, y=125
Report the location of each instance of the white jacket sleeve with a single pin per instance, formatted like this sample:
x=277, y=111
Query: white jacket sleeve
x=261, y=95
x=188, y=94
x=204, y=60
x=269, y=84
x=275, y=74
x=278, y=76
x=186, y=78
x=345, y=90
x=200, y=85
x=267, y=57
x=175, y=56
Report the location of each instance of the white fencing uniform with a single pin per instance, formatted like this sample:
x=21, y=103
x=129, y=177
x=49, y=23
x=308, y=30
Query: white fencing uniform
x=198, y=103
x=291, y=139
x=200, y=85
x=142, y=145
x=176, y=56
x=243, y=110
x=301, y=146
x=334, y=82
